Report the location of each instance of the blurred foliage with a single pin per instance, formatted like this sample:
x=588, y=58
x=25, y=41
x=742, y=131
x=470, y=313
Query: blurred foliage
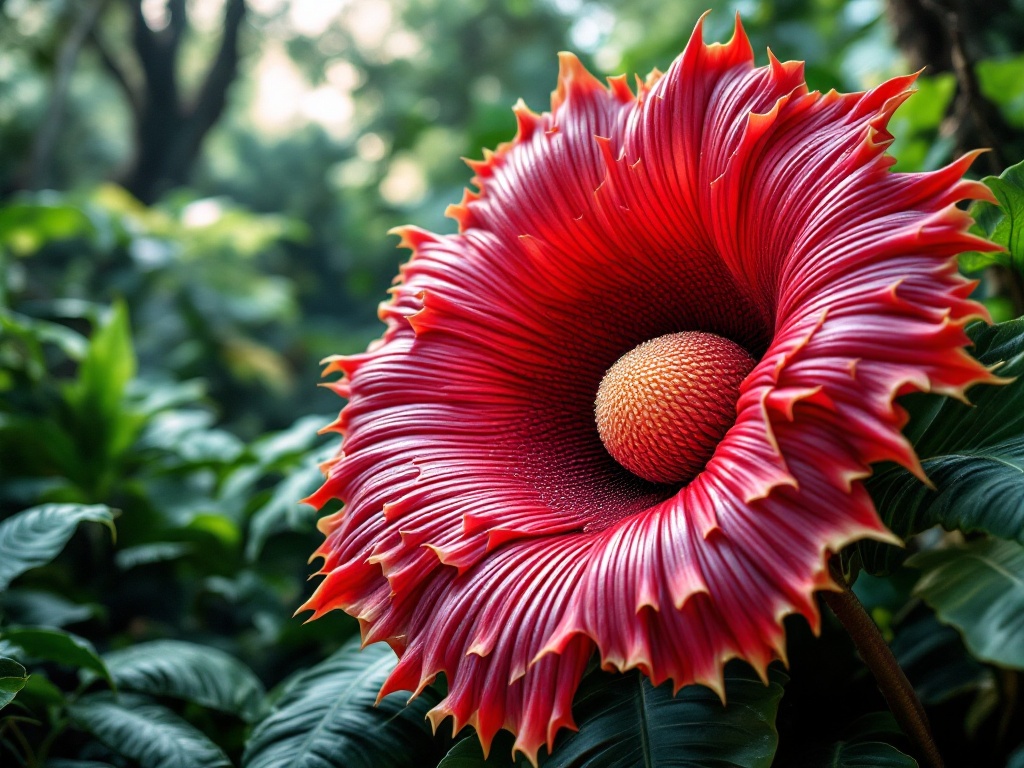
x=157, y=370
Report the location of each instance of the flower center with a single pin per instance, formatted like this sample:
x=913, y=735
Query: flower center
x=663, y=408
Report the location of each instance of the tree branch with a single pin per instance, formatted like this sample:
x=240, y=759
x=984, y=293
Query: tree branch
x=46, y=138
x=156, y=57
x=974, y=119
x=115, y=70
x=177, y=12
x=213, y=94
x=169, y=133
x=212, y=97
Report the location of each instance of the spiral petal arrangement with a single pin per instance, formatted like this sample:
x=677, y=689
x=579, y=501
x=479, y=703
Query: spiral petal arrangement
x=489, y=534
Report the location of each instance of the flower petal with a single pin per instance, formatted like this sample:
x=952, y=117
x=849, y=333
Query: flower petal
x=487, y=534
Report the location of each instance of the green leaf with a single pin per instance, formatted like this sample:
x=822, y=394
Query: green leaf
x=973, y=454
x=145, y=732
x=624, y=721
x=979, y=589
x=37, y=535
x=108, y=365
x=187, y=434
x=278, y=447
x=147, y=554
x=1003, y=223
x=26, y=227
x=36, y=608
x=853, y=754
x=60, y=647
x=469, y=754
x=102, y=419
x=283, y=511
x=39, y=692
x=61, y=763
x=935, y=661
x=12, y=679
x=33, y=333
x=197, y=673
x=326, y=718
x=1000, y=81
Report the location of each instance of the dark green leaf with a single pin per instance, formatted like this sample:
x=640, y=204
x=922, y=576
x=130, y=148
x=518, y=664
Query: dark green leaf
x=853, y=754
x=974, y=455
x=149, y=734
x=188, y=435
x=40, y=692
x=37, y=535
x=35, y=608
x=935, y=661
x=277, y=447
x=979, y=589
x=12, y=680
x=283, y=512
x=326, y=718
x=60, y=647
x=60, y=763
x=1003, y=223
x=196, y=673
x=469, y=754
x=33, y=332
x=145, y=554
x=624, y=721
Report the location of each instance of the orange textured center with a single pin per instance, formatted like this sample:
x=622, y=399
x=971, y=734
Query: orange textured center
x=665, y=405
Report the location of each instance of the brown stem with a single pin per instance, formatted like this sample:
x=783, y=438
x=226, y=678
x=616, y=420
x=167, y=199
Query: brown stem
x=893, y=684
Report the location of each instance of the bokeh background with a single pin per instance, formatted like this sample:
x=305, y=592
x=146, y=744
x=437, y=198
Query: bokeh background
x=239, y=162
x=195, y=197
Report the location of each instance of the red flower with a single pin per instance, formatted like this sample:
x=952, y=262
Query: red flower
x=778, y=287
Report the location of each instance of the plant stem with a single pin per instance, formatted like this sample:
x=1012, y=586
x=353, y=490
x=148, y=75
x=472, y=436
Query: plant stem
x=893, y=684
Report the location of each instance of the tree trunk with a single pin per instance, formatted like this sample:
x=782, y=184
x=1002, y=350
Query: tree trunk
x=168, y=131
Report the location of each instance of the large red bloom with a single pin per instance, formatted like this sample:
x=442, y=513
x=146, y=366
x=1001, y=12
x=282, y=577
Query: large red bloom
x=749, y=228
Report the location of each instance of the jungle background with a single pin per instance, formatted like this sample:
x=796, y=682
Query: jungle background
x=194, y=201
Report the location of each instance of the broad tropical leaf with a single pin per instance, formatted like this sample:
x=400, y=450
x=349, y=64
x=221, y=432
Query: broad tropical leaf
x=973, y=454
x=283, y=511
x=102, y=421
x=37, y=535
x=60, y=647
x=148, y=733
x=26, y=227
x=12, y=680
x=326, y=718
x=854, y=754
x=934, y=659
x=108, y=366
x=979, y=589
x=1002, y=223
x=34, y=333
x=468, y=753
x=197, y=673
x=624, y=722
x=146, y=554
x=36, y=608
